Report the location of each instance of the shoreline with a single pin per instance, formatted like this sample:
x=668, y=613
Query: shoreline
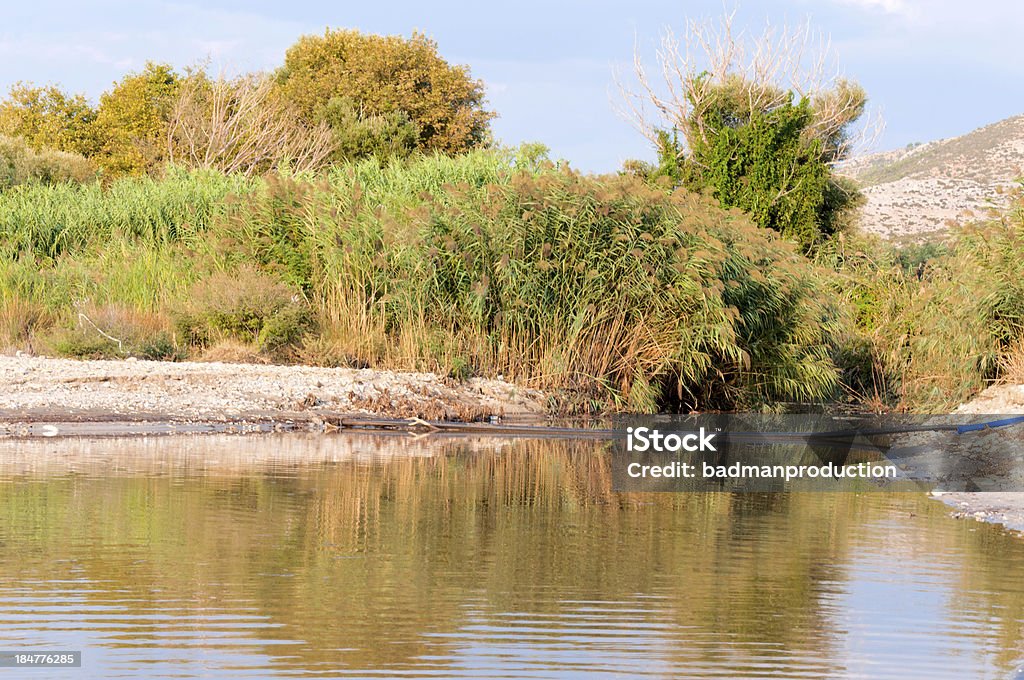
x=44, y=397
x=35, y=391
x=1005, y=508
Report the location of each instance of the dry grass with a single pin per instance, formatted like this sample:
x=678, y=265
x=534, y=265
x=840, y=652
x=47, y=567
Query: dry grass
x=232, y=352
x=1011, y=364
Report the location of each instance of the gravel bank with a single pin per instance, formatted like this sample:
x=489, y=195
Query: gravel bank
x=1006, y=508
x=41, y=389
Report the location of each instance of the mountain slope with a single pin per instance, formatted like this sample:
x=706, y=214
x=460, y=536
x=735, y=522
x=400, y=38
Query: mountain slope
x=923, y=190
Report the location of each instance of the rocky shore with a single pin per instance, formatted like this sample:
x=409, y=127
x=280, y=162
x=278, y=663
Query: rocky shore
x=36, y=390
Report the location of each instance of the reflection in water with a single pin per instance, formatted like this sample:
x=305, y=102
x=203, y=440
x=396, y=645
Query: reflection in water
x=371, y=555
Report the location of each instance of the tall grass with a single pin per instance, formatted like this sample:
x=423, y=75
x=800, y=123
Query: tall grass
x=486, y=264
x=928, y=333
x=603, y=290
x=48, y=221
x=601, y=285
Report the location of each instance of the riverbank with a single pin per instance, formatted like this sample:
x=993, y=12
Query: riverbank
x=1005, y=508
x=43, y=389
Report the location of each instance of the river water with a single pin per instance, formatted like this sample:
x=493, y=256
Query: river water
x=384, y=556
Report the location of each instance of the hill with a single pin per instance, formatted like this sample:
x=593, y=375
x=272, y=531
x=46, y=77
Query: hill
x=924, y=189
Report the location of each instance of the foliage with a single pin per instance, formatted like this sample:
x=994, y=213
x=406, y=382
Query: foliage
x=759, y=121
x=384, y=137
x=133, y=119
x=931, y=324
x=48, y=118
x=490, y=263
x=496, y=262
x=768, y=163
x=21, y=164
x=388, y=75
x=244, y=305
x=557, y=280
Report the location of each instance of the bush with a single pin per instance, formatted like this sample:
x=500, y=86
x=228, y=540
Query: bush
x=113, y=332
x=21, y=164
x=248, y=306
x=757, y=120
x=357, y=135
x=931, y=325
x=763, y=163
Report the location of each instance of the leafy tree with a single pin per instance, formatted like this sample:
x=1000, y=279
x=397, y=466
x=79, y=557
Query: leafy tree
x=133, y=121
x=48, y=118
x=387, y=76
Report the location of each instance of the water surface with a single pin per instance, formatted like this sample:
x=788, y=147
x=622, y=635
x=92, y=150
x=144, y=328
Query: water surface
x=341, y=556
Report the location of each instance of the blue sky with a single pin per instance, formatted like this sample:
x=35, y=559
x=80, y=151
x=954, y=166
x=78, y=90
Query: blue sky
x=934, y=68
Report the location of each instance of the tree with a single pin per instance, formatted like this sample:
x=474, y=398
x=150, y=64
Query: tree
x=385, y=76
x=242, y=125
x=133, y=120
x=48, y=118
x=757, y=120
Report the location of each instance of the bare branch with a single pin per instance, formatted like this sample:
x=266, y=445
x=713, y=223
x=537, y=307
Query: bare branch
x=240, y=125
x=764, y=71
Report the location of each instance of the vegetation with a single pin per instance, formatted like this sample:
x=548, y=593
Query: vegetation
x=388, y=75
x=338, y=97
x=756, y=122
x=930, y=326
x=21, y=164
x=311, y=216
x=479, y=265
x=46, y=117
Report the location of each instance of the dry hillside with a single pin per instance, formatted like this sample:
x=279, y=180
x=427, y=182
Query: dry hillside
x=925, y=189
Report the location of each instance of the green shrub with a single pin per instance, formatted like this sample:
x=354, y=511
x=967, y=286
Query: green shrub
x=21, y=164
x=385, y=137
x=767, y=163
x=245, y=305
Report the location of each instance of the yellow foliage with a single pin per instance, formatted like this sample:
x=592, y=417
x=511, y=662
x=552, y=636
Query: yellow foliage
x=48, y=118
x=132, y=121
x=387, y=74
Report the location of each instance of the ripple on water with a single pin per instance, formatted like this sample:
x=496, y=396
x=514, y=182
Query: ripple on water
x=381, y=557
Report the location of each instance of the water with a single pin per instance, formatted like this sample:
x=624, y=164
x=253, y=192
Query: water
x=336, y=556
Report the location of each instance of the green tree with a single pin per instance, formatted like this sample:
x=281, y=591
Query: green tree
x=133, y=121
x=388, y=77
x=48, y=118
x=757, y=123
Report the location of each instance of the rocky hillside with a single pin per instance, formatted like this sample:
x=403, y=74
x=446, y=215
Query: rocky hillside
x=924, y=189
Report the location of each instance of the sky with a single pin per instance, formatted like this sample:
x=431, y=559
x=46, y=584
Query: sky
x=932, y=68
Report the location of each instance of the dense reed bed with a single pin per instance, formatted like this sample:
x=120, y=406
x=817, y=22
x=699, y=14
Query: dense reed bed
x=608, y=292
